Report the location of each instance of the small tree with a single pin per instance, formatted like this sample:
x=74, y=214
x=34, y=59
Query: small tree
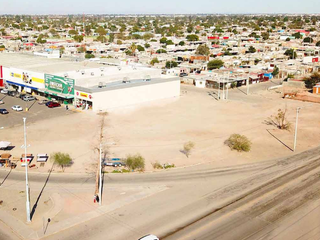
x=181, y=43
x=153, y=61
x=171, y=64
x=238, y=142
x=215, y=64
x=203, y=50
x=291, y=53
x=140, y=48
x=61, y=159
x=134, y=162
x=312, y=80
x=187, y=147
x=318, y=44
x=280, y=120
x=192, y=37
x=275, y=71
x=308, y=40
x=252, y=49
x=161, y=51
x=89, y=55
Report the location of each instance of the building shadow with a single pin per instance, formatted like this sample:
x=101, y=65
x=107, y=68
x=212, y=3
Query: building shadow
x=36, y=203
x=6, y=177
x=279, y=140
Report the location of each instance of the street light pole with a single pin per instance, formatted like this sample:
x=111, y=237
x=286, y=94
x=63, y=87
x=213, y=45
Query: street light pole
x=26, y=167
x=296, y=130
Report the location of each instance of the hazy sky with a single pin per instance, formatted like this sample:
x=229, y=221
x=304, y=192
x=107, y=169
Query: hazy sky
x=160, y=6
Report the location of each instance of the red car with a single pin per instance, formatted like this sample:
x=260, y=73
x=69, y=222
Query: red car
x=53, y=105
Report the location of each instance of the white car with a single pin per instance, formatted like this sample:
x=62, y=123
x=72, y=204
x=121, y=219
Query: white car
x=149, y=237
x=4, y=91
x=17, y=108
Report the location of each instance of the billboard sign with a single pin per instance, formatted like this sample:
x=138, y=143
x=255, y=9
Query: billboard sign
x=59, y=84
x=25, y=78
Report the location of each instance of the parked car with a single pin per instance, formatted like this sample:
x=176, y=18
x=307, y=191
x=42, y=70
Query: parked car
x=3, y=111
x=43, y=102
x=12, y=93
x=49, y=102
x=21, y=95
x=28, y=98
x=183, y=74
x=149, y=237
x=17, y=108
x=4, y=91
x=53, y=105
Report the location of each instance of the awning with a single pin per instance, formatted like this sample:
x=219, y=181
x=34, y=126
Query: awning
x=52, y=93
x=22, y=85
x=4, y=144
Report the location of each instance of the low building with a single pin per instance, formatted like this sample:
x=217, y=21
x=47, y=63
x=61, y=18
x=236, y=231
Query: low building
x=89, y=85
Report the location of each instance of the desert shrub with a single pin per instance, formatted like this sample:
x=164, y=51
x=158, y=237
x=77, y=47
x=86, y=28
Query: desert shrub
x=280, y=120
x=134, y=162
x=187, y=147
x=63, y=160
x=166, y=166
x=238, y=142
x=157, y=165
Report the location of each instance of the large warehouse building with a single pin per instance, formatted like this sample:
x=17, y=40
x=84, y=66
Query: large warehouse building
x=89, y=85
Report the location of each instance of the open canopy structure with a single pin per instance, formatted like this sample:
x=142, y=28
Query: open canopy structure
x=4, y=144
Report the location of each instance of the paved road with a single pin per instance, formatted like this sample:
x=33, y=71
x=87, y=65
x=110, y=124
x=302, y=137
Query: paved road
x=200, y=202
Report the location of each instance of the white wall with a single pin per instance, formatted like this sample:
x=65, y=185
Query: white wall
x=134, y=95
x=16, y=75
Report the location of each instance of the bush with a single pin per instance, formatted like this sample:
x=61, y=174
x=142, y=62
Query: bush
x=134, y=162
x=89, y=55
x=166, y=166
x=187, y=147
x=312, y=80
x=238, y=142
x=61, y=159
x=280, y=120
x=157, y=165
x=215, y=64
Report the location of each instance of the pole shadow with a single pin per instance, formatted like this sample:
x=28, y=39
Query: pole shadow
x=242, y=91
x=279, y=140
x=214, y=95
x=3, y=97
x=6, y=177
x=36, y=203
x=32, y=104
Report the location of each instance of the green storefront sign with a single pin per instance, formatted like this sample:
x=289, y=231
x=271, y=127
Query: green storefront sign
x=59, y=84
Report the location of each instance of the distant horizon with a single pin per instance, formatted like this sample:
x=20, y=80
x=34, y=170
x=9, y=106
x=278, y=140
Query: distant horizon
x=165, y=7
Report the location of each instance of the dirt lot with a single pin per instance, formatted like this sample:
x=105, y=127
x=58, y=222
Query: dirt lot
x=158, y=130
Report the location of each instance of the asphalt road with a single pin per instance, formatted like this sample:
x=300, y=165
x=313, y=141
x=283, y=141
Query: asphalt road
x=36, y=111
x=250, y=201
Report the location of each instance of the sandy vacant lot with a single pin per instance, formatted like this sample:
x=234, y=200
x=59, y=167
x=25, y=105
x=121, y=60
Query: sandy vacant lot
x=158, y=130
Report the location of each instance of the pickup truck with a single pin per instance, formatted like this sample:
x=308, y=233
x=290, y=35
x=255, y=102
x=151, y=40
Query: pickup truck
x=114, y=164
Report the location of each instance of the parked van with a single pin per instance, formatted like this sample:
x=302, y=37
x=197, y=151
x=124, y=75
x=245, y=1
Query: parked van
x=28, y=98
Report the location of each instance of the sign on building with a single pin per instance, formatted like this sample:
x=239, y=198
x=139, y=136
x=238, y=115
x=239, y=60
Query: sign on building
x=59, y=84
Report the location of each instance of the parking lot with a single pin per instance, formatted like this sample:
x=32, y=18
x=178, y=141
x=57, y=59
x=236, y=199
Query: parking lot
x=35, y=111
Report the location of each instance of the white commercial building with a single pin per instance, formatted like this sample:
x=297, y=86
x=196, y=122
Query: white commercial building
x=88, y=85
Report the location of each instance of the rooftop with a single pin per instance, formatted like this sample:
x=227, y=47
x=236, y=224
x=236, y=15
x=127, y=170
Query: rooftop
x=125, y=84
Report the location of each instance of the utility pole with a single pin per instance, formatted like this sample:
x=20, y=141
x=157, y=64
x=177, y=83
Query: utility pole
x=26, y=167
x=296, y=130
